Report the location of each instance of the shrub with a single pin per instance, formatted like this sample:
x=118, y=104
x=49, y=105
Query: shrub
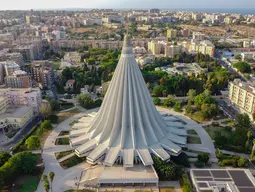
x=181, y=159
x=204, y=157
x=156, y=101
x=4, y=156
x=53, y=119
x=178, y=107
x=19, y=164
x=33, y=142
x=22, y=141
x=228, y=162
x=98, y=103
x=185, y=184
x=166, y=171
x=199, y=164
x=46, y=124
x=242, y=162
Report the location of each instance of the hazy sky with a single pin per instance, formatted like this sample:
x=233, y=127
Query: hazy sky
x=41, y=4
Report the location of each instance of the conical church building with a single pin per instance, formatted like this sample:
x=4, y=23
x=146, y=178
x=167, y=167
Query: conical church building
x=128, y=128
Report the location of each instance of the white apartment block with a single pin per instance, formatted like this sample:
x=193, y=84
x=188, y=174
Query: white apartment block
x=92, y=21
x=242, y=95
x=248, y=56
x=18, y=97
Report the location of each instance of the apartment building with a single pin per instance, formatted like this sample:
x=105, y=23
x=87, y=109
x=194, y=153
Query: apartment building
x=43, y=73
x=19, y=79
x=16, y=117
x=10, y=67
x=242, y=95
x=155, y=47
x=154, y=11
x=30, y=50
x=204, y=47
x=248, y=56
x=172, y=50
x=73, y=57
x=92, y=21
x=18, y=97
x=171, y=33
x=16, y=57
x=7, y=37
x=197, y=36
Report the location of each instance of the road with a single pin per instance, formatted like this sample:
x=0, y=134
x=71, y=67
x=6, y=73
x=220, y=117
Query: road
x=24, y=131
x=223, y=63
x=228, y=110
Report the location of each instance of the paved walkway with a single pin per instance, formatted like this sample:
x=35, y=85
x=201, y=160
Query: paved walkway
x=64, y=178
x=206, y=141
x=175, y=184
x=234, y=153
x=67, y=179
x=66, y=157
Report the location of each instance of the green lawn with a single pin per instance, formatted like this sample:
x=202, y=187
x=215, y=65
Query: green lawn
x=229, y=122
x=62, y=141
x=72, y=161
x=192, y=131
x=56, y=65
x=211, y=129
x=194, y=140
x=30, y=185
x=62, y=133
x=75, y=121
x=63, y=154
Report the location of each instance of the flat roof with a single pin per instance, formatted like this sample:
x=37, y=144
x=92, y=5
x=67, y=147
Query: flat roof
x=16, y=112
x=137, y=174
x=233, y=179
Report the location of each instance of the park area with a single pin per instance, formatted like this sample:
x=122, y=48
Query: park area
x=213, y=129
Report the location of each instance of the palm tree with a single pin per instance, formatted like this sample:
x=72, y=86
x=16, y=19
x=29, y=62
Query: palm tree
x=46, y=185
x=249, y=134
x=247, y=144
x=51, y=175
x=253, y=150
x=44, y=177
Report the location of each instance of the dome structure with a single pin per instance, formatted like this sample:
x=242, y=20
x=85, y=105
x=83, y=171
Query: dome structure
x=128, y=128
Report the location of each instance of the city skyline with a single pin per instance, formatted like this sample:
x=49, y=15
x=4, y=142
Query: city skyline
x=125, y=4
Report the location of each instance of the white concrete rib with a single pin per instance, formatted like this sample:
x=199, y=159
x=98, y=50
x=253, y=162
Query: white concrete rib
x=128, y=125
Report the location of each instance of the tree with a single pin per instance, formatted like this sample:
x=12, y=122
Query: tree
x=46, y=185
x=253, y=150
x=46, y=124
x=156, y=101
x=46, y=110
x=169, y=101
x=243, y=67
x=241, y=128
x=33, y=142
x=178, y=107
x=44, y=177
x=85, y=101
x=238, y=57
x=51, y=175
x=204, y=157
x=4, y=157
x=242, y=162
x=54, y=104
x=247, y=143
x=191, y=95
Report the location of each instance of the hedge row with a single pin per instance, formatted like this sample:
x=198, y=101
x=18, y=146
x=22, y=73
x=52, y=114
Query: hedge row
x=16, y=148
x=185, y=184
